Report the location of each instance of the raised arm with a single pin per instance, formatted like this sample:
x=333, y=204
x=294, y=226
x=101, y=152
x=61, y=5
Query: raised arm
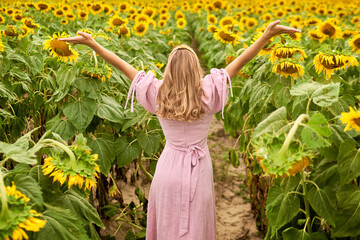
x=272, y=29
x=107, y=55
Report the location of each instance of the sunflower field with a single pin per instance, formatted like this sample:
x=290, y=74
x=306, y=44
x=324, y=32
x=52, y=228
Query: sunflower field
x=66, y=138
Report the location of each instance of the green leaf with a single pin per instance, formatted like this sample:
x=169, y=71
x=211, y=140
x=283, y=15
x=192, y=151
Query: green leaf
x=110, y=110
x=322, y=203
x=282, y=95
x=90, y=86
x=17, y=153
x=149, y=142
x=281, y=207
x=347, y=215
x=293, y=233
x=348, y=161
x=61, y=224
x=243, y=141
x=234, y=158
x=104, y=147
x=326, y=94
x=305, y=89
x=126, y=152
x=318, y=236
x=272, y=123
x=80, y=112
x=140, y=195
x=316, y=132
x=28, y=186
x=65, y=76
x=62, y=127
x=79, y=205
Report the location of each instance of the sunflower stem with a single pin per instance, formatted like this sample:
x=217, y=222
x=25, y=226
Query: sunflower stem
x=289, y=137
x=306, y=202
x=4, y=204
x=308, y=106
x=96, y=61
x=66, y=149
x=142, y=168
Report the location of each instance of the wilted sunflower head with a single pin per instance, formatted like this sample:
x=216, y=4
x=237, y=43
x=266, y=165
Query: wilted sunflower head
x=333, y=61
x=316, y=35
x=29, y=23
x=101, y=73
x=12, y=31
x=347, y=33
x=352, y=119
x=355, y=43
x=283, y=52
x=288, y=68
x=60, y=49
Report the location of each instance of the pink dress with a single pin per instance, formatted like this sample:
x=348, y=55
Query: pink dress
x=181, y=198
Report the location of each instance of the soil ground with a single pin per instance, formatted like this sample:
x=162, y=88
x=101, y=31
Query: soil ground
x=234, y=220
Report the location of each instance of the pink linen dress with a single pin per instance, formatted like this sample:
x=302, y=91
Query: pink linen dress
x=181, y=198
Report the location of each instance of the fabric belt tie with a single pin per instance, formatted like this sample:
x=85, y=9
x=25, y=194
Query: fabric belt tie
x=131, y=93
x=190, y=177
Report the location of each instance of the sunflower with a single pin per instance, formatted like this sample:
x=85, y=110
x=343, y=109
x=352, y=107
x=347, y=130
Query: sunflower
x=341, y=14
x=150, y=11
x=9, y=11
x=212, y=28
x=28, y=22
x=288, y=67
x=230, y=59
x=348, y=33
x=17, y=17
x=65, y=7
x=116, y=21
x=124, y=7
x=355, y=43
x=41, y=6
x=165, y=16
x=60, y=49
x=159, y=65
x=70, y=16
x=181, y=23
x=64, y=21
x=167, y=32
x=352, y=119
x=162, y=23
x=20, y=216
x=12, y=31
x=286, y=52
x=179, y=14
x=82, y=174
x=331, y=62
x=227, y=21
x=140, y=28
x=251, y=22
x=280, y=13
x=329, y=28
x=316, y=35
x=266, y=17
x=2, y=19
x=132, y=10
x=83, y=15
x=123, y=30
x=107, y=9
x=59, y=12
x=142, y=18
x=226, y=36
x=96, y=8
x=355, y=20
x=171, y=43
x=99, y=73
x=321, y=11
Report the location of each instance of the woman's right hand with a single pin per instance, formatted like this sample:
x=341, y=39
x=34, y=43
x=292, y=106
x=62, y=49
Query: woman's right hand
x=84, y=38
x=274, y=29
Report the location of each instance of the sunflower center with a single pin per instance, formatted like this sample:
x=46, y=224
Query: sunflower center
x=96, y=7
x=43, y=6
x=83, y=14
x=140, y=29
x=59, y=12
x=227, y=22
x=357, y=43
x=123, y=7
x=61, y=48
x=118, y=21
x=315, y=36
x=287, y=69
x=250, y=23
x=18, y=17
x=11, y=33
x=226, y=36
x=284, y=54
x=217, y=4
x=29, y=24
x=149, y=12
x=357, y=121
x=333, y=65
x=329, y=30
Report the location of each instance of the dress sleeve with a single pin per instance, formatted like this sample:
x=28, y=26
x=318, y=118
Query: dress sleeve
x=216, y=90
x=145, y=86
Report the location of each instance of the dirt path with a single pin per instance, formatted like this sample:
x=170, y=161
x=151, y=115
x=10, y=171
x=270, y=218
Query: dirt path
x=234, y=220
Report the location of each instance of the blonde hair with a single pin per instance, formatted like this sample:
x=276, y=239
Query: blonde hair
x=180, y=95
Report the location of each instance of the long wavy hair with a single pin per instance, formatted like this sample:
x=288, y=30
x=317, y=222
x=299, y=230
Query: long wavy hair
x=180, y=95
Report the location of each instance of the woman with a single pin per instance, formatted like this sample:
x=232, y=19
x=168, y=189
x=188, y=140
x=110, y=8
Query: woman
x=181, y=198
